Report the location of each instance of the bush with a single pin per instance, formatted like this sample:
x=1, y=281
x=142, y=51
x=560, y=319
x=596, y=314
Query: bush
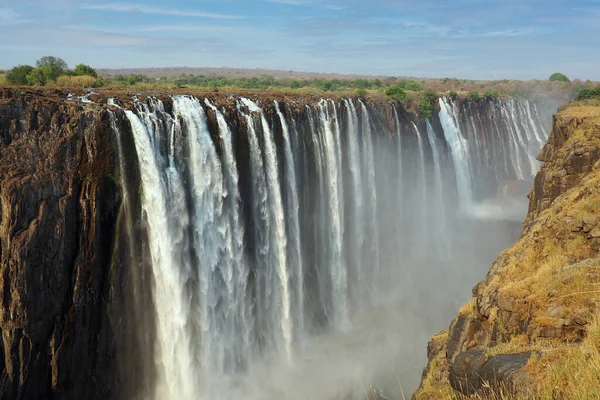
x=18, y=75
x=39, y=76
x=412, y=85
x=397, y=93
x=82, y=69
x=83, y=81
x=558, y=77
x=425, y=109
x=453, y=95
x=474, y=95
x=585, y=94
x=361, y=92
x=491, y=94
x=295, y=85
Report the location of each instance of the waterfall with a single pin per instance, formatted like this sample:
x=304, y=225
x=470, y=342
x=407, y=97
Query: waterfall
x=283, y=237
x=371, y=190
x=292, y=207
x=438, y=206
x=336, y=262
x=460, y=153
x=278, y=231
x=176, y=373
x=127, y=211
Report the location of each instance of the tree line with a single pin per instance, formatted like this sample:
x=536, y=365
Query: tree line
x=53, y=70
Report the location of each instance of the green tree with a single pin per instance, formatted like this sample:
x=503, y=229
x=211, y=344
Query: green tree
x=453, y=95
x=558, y=77
x=82, y=69
x=55, y=66
x=295, y=84
x=18, y=75
x=39, y=76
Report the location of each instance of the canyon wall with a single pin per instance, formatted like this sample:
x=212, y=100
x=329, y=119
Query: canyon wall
x=151, y=245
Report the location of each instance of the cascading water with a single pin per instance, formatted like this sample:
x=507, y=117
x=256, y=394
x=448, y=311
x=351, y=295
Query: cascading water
x=288, y=244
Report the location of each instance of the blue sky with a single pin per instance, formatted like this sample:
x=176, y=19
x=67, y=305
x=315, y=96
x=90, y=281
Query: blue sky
x=479, y=39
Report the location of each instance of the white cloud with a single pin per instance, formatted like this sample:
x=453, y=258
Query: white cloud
x=123, y=7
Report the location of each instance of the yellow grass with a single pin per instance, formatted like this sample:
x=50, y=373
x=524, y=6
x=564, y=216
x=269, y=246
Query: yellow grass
x=572, y=372
x=84, y=81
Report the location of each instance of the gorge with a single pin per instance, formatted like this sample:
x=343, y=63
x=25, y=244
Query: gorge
x=181, y=247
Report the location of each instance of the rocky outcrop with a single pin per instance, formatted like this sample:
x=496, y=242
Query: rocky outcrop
x=542, y=292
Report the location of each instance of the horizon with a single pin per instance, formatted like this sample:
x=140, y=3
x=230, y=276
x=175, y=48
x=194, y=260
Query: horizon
x=469, y=39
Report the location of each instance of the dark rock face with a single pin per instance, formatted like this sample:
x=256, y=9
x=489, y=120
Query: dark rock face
x=57, y=240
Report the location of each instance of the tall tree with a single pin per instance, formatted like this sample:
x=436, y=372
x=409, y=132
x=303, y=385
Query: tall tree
x=56, y=66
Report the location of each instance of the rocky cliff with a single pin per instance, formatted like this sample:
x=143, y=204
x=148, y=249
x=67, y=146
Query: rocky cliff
x=531, y=328
x=78, y=316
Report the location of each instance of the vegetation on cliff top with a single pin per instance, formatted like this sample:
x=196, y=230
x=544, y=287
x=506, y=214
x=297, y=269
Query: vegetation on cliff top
x=51, y=71
x=412, y=92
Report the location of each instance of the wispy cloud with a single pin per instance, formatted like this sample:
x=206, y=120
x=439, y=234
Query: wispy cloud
x=123, y=7
x=9, y=17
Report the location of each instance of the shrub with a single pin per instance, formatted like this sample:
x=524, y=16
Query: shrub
x=412, y=85
x=295, y=85
x=425, y=109
x=361, y=92
x=83, y=81
x=39, y=76
x=453, y=95
x=474, y=95
x=18, y=75
x=491, y=94
x=397, y=93
x=82, y=69
x=585, y=94
x=558, y=77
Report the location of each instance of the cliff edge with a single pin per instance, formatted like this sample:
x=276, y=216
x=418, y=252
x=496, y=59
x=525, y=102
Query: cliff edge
x=532, y=329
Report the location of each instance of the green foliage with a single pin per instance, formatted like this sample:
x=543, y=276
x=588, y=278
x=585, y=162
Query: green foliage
x=593, y=93
x=425, y=106
x=295, y=85
x=412, y=85
x=558, y=77
x=18, y=75
x=474, y=95
x=425, y=109
x=361, y=92
x=82, y=69
x=54, y=66
x=491, y=94
x=397, y=93
x=429, y=96
x=40, y=76
x=453, y=95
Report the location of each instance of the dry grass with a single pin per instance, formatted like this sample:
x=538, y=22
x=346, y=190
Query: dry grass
x=84, y=81
x=3, y=80
x=570, y=372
